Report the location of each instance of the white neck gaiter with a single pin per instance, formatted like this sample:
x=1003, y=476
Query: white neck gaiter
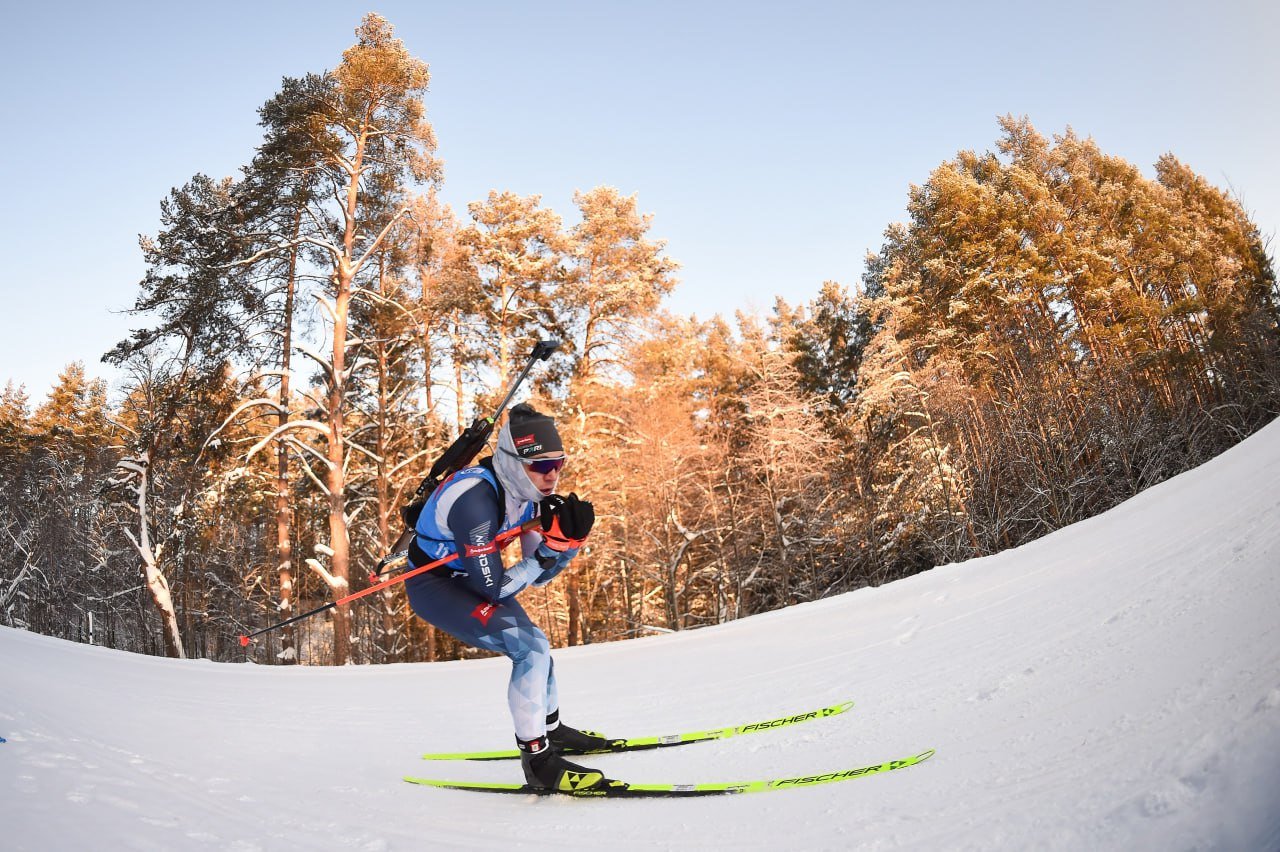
x=510, y=471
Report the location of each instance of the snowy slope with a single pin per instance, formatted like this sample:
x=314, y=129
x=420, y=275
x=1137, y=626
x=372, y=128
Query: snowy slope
x=1115, y=685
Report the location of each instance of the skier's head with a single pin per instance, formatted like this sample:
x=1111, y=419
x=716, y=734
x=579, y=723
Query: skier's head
x=533, y=433
x=530, y=453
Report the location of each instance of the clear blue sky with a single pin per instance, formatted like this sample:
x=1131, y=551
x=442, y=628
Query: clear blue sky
x=773, y=142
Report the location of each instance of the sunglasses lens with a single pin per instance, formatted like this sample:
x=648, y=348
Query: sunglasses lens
x=545, y=466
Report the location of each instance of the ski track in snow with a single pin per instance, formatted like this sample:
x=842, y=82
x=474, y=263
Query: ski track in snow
x=1115, y=685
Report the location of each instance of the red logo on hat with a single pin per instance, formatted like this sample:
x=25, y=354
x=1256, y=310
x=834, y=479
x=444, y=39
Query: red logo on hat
x=525, y=441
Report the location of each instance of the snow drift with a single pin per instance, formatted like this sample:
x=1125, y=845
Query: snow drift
x=1115, y=685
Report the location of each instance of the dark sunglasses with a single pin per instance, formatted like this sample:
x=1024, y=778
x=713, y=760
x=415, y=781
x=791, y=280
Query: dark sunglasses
x=542, y=466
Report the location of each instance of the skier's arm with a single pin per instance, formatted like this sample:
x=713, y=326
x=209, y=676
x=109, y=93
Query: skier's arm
x=474, y=519
x=534, y=570
x=539, y=565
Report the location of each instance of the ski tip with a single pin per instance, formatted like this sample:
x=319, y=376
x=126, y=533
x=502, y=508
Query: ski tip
x=476, y=786
x=924, y=755
x=426, y=782
x=507, y=754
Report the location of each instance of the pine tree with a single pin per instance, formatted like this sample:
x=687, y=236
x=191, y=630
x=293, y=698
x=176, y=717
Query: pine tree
x=785, y=464
x=827, y=340
x=619, y=279
x=917, y=484
x=1059, y=321
x=517, y=250
x=360, y=136
x=192, y=284
x=17, y=460
x=15, y=429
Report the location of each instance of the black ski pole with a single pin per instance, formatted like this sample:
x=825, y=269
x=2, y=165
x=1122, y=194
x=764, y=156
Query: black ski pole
x=501, y=539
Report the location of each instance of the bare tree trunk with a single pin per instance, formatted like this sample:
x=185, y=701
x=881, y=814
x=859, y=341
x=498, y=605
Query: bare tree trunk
x=339, y=542
x=385, y=493
x=157, y=585
x=575, y=609
x=455, y=345
x=504, y=344
x=433, y=644
x=339, y=537
x=283, y=508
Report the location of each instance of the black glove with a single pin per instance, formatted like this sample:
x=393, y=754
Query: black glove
x=566, y=521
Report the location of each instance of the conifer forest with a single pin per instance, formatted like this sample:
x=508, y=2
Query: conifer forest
x=1049, y=332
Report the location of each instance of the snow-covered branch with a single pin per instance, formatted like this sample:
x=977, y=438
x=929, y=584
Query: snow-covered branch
x=278, y=246
x=324, y=244
x=315, y=356
x=312, y=425
x=305, y=448
x=306, y=468
x=233, y=415
x=368, y=453
x=410, y=460
x=310, y=397
x=378, y=298
x=327, y=305
x=377, y=241
x=337, y=584
x=132, y=466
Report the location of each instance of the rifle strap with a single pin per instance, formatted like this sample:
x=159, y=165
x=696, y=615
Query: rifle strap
x=418, y=556
x=487, y=464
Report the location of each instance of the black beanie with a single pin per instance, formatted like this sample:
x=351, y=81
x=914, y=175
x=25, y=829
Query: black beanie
x=532, y=432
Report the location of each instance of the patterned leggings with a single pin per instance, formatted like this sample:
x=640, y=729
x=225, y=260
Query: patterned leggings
x=449, y=604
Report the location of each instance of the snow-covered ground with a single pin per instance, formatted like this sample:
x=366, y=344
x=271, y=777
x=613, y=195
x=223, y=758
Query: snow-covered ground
x=1115, y=685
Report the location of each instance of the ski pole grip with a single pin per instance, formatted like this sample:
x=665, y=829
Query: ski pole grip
x=543, y=348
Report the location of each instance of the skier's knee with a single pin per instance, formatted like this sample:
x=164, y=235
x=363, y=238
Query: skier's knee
x=522, y=644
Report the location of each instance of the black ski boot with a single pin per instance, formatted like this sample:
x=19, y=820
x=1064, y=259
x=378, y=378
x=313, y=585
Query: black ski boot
x=568, y=740
x=545, y=768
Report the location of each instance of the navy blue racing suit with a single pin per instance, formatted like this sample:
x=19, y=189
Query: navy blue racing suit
x=473, y=598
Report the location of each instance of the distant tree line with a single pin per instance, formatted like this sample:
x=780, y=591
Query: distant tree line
x=1049, y=333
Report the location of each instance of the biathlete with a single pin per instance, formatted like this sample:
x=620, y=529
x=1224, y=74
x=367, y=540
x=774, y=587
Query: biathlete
x=473, y=598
